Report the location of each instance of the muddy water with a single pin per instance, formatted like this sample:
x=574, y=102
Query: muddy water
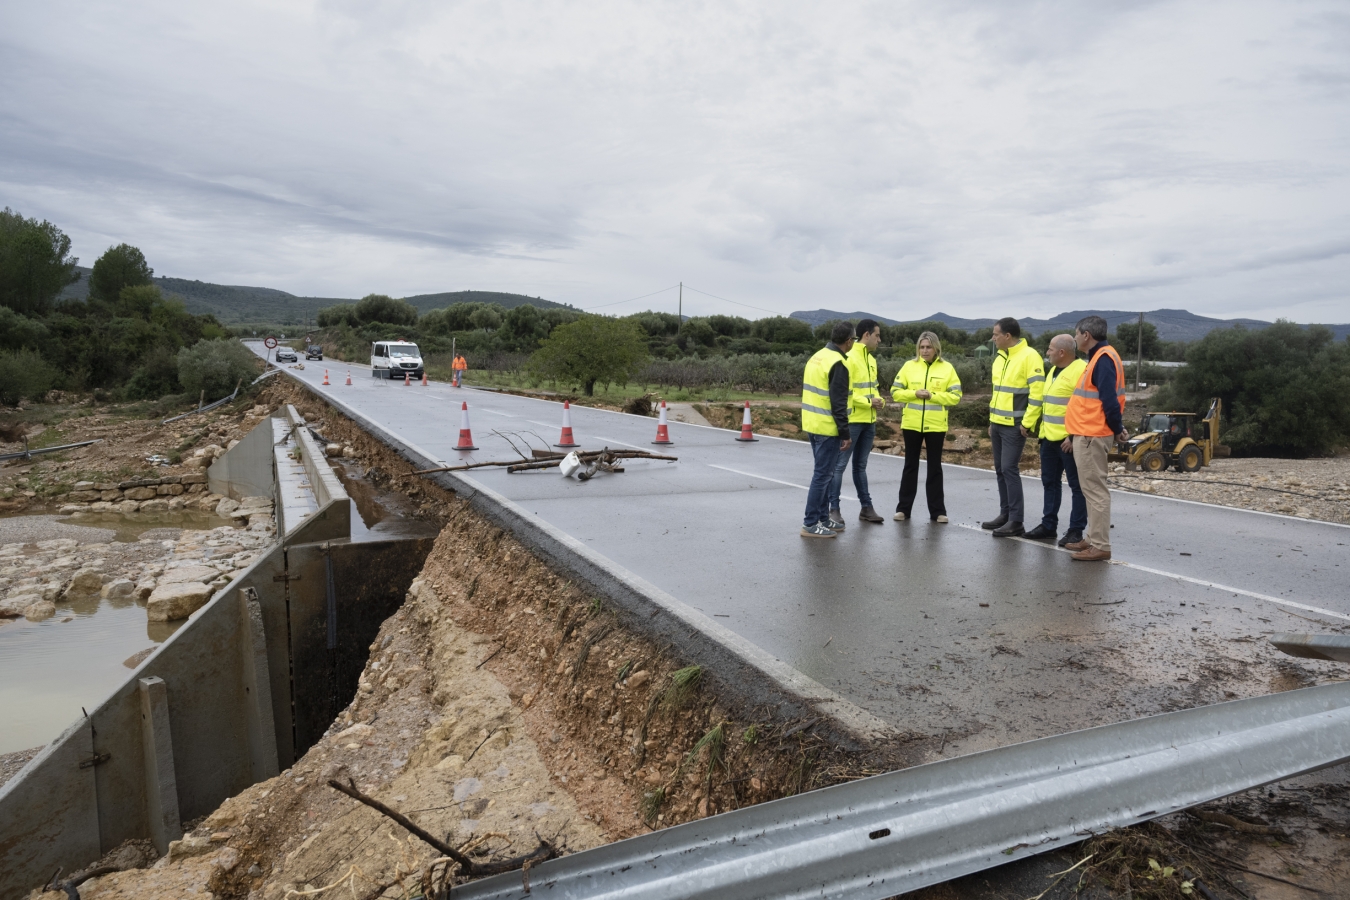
x=381, y=514
x=50, y=669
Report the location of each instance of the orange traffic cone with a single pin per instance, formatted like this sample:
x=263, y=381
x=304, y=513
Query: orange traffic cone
x=325, y=378
x=465, y=437
x=349, y=376
x=566, y=440
x=746, y=433
x=407, y=379
x=424, y=378
x=662, y=433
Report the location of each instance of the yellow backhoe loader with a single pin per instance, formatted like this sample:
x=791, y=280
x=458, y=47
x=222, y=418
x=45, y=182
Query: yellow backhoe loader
x=1173, y=439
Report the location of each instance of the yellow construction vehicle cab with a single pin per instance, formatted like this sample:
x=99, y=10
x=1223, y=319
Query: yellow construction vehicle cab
x=1173, y=439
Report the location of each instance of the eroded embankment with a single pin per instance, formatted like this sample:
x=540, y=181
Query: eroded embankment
x=502, y=705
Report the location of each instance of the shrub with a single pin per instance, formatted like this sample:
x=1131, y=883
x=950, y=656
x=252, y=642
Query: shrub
x=156, y=376
x=1285, y=388
x=24, y=375
x=215, y=367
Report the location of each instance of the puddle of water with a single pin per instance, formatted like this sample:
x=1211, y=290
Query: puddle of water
x=48, y=670
x=381, y=515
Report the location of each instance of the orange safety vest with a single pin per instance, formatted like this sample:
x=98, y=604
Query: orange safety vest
x=460, y=363
x=1085, y=415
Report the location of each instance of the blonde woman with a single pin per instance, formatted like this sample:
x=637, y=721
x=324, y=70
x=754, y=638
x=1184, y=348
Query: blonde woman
x=927, y=386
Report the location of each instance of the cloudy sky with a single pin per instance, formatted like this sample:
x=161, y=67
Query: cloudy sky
x=977, y=158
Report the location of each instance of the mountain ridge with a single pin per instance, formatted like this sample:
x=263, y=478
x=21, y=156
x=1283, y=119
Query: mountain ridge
x=1172, y=324
x=235, y=304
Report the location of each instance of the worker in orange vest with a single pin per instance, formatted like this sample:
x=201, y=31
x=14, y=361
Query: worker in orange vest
x=1094, y=419
x=460, y=365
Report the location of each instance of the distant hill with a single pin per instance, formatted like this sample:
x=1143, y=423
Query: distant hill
x=241, y=305
x=1172, y=324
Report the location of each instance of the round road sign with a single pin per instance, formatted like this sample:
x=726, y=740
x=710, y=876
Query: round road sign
x=270, y=343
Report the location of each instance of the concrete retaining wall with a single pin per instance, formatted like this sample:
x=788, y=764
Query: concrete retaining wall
x=246, y=468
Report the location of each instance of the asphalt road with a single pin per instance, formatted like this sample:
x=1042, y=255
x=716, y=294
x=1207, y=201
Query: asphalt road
x=938, y=629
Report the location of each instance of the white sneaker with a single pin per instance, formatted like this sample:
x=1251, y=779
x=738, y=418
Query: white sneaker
x=941, y=520
x=900, y=517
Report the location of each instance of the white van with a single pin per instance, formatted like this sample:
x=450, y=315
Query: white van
x=395, y=359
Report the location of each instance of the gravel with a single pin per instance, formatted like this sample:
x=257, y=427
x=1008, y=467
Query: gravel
x=31, y=529
x=1305, y=488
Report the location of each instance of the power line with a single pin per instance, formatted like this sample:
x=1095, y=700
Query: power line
x=733, y=302
x=631, y=299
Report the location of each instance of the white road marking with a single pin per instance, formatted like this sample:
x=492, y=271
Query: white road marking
x=606, y=440
x=800, y=487
x=1199, y=581
x=1224, y=587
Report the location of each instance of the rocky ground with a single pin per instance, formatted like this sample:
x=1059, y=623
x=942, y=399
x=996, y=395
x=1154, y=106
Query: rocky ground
x=1306, y=488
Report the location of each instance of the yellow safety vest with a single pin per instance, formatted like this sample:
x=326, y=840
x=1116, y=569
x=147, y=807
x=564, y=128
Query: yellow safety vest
x=862, y=380
x=1019, y=383
x=939, y=379
x=816, y=415
x=1058, y=389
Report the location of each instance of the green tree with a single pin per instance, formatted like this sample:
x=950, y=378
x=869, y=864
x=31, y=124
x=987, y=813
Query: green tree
x=590, y=349
x=215, y=366
x=340, y=314
x=119, y=267
x=18, y=331
x=24, y=375
x=35, y=263
x=782, y=330
x=524, y=328
x=383, y=308
x=1127, y=340
x=486, y=318
x=1285, y=388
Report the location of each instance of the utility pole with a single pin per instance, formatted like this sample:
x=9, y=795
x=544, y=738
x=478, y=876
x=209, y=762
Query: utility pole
x=680, y=316
x=1139, y=364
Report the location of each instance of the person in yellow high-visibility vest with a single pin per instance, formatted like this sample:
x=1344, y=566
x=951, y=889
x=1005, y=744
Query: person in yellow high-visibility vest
x=825, y=398
x=1057, y=460
x=1018, y=380
x=864, y=401
x=927, y=386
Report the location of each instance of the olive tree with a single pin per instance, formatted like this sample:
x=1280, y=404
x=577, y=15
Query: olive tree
x=591, y=349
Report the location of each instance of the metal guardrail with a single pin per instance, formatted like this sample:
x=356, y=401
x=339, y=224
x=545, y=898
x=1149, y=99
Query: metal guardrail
x=1335, y=647
x=208, y=407
x=28, y=453
x=893, y=833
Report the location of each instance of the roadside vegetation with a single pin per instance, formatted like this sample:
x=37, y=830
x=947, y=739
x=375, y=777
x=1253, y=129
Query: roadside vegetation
x=126, y=341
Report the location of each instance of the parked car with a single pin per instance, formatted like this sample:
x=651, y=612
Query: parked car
x=395, y=359
x=313, y=351
x=285, y=354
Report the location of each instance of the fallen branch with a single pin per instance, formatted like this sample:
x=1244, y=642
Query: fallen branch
x=605, y=457
x=466, y=866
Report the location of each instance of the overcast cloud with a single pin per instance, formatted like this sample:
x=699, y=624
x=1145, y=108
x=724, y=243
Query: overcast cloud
x=978, y=158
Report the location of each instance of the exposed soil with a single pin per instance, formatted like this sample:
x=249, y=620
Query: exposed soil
x=503, y=706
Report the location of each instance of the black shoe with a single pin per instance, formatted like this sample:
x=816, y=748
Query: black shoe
x=996, y=523
x=868, y=514
x=1041, y=533
x=1010, y=529
x=1070, y=537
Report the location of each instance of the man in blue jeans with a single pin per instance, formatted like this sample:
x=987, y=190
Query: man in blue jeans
x=864, y=401
x=825, y=402
x=1057, y=460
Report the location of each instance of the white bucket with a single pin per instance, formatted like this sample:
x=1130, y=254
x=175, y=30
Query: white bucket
x=570, y=465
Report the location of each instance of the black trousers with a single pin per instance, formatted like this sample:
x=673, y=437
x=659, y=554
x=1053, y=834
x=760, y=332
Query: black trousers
x=909, y=479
